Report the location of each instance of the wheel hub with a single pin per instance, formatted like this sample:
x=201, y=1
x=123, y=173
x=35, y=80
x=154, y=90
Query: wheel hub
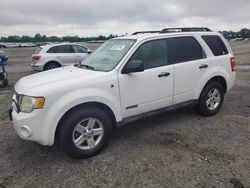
x=87, y=133
x=213, y=99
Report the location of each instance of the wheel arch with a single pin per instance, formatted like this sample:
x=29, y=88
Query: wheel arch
x=219, y=79
x=82, y=106
x=52, y=61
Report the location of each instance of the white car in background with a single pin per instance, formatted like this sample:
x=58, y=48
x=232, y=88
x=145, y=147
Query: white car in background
x=58, y=55
x=12, y=45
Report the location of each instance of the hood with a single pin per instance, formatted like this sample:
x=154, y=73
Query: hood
x=53, y=79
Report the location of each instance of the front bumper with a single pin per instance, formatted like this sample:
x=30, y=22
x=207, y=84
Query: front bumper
x=29, y=126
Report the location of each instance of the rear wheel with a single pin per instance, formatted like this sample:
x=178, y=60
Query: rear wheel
x=211, y=99
x=51, y=65
x=85, y=133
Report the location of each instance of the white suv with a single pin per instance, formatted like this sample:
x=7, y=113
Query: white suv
x=58, y=55
x=125, y=79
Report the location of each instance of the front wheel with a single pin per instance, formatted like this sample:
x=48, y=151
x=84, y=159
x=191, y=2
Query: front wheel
x=211, y=99
x=85, y=132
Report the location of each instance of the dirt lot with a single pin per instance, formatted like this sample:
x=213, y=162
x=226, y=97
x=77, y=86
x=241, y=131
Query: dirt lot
x=177, y=149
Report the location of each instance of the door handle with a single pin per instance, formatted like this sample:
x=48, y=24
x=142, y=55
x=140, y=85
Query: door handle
x=57, y=56
x=203, y=66
x=164, y=74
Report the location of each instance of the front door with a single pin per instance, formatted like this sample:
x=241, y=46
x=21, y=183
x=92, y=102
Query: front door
x=80, y=53
x=151, y=89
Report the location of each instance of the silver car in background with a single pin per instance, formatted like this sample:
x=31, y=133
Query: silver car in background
x=57, y=55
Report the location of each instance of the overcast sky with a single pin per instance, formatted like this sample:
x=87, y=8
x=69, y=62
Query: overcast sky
x=96, y=17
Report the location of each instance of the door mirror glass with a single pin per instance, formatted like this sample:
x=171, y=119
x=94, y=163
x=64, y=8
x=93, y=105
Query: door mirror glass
x=133, y=66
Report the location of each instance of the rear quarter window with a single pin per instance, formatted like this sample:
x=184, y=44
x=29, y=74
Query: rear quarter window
x=216, y=44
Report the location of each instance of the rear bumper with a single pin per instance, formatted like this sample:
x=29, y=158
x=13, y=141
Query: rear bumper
x=36, y=67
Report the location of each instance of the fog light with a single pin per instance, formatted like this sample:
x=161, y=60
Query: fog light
x=25, y=131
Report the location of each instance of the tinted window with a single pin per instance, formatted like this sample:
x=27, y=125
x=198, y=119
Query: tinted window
x=216, y=45
x=65, y=49
x=52, y=50
x=61, y=49
x=79, y=49
x=152, y=54
x=183, y=49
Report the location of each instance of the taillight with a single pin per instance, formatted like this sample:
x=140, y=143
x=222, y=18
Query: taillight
x=36, y=57
x=233, y=64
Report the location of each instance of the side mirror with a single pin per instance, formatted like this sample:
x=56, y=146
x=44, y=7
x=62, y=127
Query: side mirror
x=89, y=51
x=133, y=66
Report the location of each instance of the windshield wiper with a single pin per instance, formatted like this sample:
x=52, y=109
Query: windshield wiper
x=86, y=66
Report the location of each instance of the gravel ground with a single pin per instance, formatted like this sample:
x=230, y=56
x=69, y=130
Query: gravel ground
x=176, y=149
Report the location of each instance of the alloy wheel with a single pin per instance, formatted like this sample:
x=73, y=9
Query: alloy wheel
x=213, y=99
x=88, y=133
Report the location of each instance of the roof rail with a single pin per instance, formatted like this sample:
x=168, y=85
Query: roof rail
x=142, y=32
x=185, y=29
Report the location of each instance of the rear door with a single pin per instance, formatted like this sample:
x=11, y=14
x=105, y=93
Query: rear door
x=190, y=64
x=80, y=53
x=65, y=55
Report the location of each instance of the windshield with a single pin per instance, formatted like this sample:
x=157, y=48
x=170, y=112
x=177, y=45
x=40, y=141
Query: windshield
x=108, y=55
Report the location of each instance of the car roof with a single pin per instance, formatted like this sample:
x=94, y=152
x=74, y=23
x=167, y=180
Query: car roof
x=143, y=36
x=47, y=46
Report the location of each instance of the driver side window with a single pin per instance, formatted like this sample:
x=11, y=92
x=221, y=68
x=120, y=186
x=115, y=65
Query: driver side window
x=152, y=54
x=79, y=49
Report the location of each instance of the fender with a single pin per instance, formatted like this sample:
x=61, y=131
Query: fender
x=216, y=71
x=72, y=99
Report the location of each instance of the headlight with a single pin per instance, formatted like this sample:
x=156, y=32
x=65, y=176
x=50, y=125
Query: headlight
x=28, y=104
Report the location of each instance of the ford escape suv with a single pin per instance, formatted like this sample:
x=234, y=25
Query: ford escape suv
x=125, y=79
x=57, y=55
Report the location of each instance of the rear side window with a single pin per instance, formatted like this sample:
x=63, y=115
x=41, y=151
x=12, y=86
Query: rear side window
x=216, y=44
x=65, y=49
x=152, y=54
x=61, y=49
x=182, y=49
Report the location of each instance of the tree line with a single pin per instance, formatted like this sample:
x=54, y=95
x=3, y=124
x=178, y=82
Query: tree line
x=43, y=38
x=243, y=33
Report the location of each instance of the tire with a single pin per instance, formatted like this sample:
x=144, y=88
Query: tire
x=211, y=99
x=77, y=140
x=51, y=65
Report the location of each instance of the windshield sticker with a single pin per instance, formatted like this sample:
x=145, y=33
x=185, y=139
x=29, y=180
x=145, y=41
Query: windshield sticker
x=117, y=48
